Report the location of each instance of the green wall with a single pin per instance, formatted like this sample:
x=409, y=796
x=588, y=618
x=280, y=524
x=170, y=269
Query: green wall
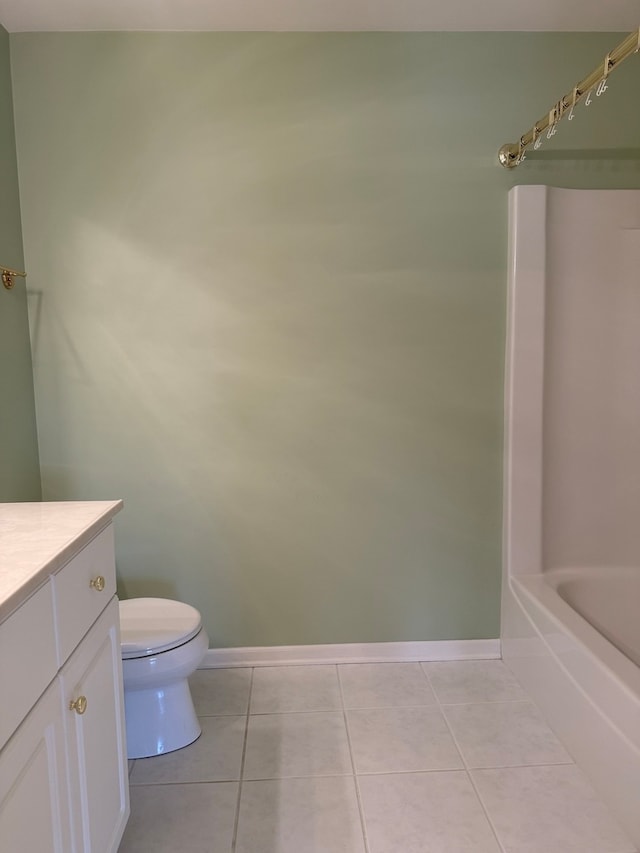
x=19, y=472
x=273, y=273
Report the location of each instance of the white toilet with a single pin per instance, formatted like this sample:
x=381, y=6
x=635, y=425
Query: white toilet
x=162, y=643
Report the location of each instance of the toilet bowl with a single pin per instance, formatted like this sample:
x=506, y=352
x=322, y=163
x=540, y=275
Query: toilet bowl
x=162, y=642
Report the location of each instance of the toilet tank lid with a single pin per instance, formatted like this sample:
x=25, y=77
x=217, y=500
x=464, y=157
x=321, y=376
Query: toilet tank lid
x=153, y=625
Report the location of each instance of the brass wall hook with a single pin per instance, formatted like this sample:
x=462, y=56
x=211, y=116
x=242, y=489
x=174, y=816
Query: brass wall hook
x=8, y=276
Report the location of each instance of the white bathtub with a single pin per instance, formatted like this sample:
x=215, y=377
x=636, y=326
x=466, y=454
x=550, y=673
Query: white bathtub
x=587, y=688
x=572, y=477
x=600, y=668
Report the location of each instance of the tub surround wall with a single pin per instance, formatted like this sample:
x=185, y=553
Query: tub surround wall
x=591, y=457
x=608, y=600
x=19, y=470
x=272, y=270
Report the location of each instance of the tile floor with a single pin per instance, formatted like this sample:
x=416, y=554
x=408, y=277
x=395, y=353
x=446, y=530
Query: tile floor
x=367, y=758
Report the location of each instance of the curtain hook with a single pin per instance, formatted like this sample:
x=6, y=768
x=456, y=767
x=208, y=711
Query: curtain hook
x=557, y=115
x=602, y=85
x=573, y=103
x=537, y=139
x=588, y=99
x=521, y=151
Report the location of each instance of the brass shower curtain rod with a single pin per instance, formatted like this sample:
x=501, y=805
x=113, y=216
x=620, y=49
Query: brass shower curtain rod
x=512, y=153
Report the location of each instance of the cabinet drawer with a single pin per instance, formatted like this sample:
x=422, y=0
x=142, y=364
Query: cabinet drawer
x=79, y=596
x=27, y=658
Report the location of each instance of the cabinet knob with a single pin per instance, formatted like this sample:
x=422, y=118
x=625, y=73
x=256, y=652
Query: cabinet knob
x=97, y=583
x=78, y=705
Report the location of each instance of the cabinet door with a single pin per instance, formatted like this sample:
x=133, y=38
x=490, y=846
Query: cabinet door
x=34, y=812
x=96, y=741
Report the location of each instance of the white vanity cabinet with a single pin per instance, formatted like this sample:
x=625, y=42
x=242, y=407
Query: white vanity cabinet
x=63, y=765
x=96, y=751
x=34, y=806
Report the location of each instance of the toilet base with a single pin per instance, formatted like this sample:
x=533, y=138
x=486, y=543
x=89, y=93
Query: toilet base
x=160, y=719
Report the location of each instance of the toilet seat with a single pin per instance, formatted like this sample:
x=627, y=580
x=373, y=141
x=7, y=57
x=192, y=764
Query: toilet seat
x=149, y=626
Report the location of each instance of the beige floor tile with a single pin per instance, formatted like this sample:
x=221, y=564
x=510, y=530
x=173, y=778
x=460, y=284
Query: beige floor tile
x=302, y=744
x=425, y=813
x=504, y=734
x=548, y=810
x=220, y=691
x=473, y=681
x=184, y=818
x=384, y=685
x=400, y=740
x=278, y=689
x=300, y=816
x=215, y=757
x=299, y=795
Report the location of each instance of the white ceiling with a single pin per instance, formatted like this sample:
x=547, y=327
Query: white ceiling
x=322, y=15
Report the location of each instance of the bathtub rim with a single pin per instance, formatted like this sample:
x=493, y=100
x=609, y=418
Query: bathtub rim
x=599, y=746
x=607, y=678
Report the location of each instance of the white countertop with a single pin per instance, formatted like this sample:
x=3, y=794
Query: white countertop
x=37, y=539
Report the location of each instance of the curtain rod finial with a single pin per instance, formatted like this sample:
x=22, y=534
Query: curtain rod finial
x=508, y=155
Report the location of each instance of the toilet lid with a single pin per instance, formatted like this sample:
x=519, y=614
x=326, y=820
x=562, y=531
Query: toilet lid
x=152, y=625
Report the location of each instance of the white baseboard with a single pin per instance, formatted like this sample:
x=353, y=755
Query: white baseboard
x=434, y=650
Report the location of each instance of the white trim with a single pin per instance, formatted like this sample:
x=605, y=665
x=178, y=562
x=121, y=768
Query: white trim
x=524, y=382
x=434, y=650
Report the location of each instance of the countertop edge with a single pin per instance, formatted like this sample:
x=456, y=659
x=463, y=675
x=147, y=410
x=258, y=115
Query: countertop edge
x=38, y=576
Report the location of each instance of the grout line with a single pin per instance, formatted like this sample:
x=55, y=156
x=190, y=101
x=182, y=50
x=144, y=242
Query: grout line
x=286, y=778
x=390, y=707
x=493, y=702
x=333, y=710
x=463, y=769
x=346, y=775
x=363, y=825
x=466, y=767
x=234, y=839
x=489, y=702
x=209, y=716
x=188, y=782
